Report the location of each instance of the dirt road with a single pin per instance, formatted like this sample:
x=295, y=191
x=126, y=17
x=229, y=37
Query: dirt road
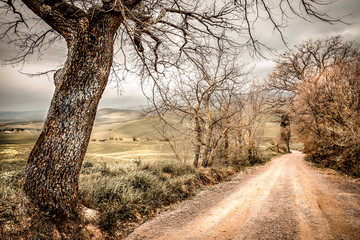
x=284, y=199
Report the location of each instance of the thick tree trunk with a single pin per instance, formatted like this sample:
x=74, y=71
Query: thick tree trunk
x=52, y=172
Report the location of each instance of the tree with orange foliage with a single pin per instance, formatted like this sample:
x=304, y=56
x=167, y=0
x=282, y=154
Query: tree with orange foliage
x=322, y=83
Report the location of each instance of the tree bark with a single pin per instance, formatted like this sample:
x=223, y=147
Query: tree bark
x=226, y=147
x=52, y=172
x=205, y=161
x=198, y=141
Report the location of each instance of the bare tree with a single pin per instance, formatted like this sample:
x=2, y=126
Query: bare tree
x=252, y=125
x=201, y=98
x=309, y=59
x=224, y=80
x=164, y=34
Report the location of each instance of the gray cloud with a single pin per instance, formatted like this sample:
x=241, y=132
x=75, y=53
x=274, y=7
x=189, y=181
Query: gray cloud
x=19, y=92
x=130, y=98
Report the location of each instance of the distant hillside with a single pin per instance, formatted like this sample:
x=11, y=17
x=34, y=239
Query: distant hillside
x=35, y=119
x=104, y=114
x=23, y=116
x=111, y=115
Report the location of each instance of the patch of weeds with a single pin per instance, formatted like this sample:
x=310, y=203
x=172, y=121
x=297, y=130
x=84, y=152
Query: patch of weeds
x=88, y=165
x=170, y=168
x=135, y=194
x=138, y=161
x=239, y=161
x=13, y=165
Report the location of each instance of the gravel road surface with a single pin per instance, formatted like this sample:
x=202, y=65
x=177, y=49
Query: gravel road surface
x=284, y=199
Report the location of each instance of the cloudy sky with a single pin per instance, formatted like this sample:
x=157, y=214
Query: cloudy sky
x=19, y=92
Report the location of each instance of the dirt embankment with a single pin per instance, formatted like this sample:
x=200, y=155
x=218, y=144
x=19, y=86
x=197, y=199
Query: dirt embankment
x=285, y=199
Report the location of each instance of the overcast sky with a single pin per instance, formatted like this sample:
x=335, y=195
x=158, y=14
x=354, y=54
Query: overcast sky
x=19, y=92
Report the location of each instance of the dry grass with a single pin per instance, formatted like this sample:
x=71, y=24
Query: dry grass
x=129, y=195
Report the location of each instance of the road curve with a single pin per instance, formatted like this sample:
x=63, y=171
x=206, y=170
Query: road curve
x=285, y=199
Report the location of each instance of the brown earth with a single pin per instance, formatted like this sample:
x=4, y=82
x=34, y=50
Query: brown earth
x=284, y=199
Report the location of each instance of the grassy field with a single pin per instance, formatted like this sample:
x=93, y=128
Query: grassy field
x=112, y=140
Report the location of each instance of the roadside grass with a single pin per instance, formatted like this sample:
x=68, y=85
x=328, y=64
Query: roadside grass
x=128, y=196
